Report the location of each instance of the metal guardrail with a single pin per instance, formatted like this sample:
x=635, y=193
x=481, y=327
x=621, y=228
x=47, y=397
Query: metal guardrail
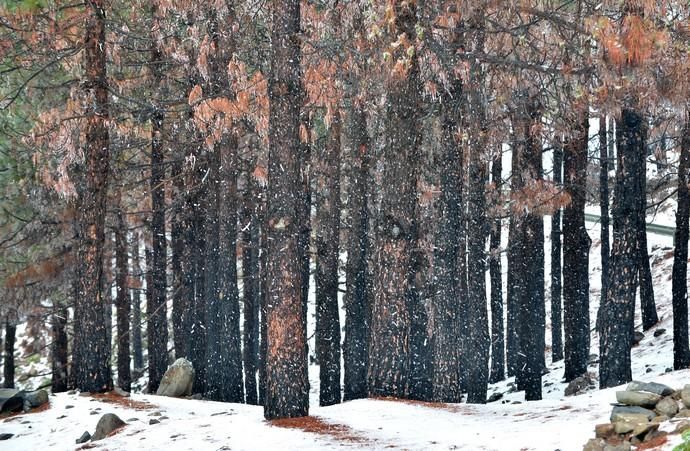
x=651, y=228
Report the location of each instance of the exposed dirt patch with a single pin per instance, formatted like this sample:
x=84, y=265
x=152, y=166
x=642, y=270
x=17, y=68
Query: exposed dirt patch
x=430, y=405
x=130, y=403
x=654, y=443
x=316, y=425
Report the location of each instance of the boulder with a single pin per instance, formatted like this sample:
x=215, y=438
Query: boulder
x=667, y=406
x=685, y=396
x=11, y=400
x=632, y=414
x=594, y=444
x=36, y=398
x=107, y=424
x=85, y=437
x=637, y=398
x=650, y=387
x=605, y=430
x=578, y=385
x=177, y=380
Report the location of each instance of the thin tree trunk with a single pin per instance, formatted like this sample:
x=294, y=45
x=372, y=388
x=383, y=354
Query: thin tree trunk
x=576, y=243
x=389, y=345
x=556, y=280
x=355, y=349
x=498, y=355
x=59, y=348
x=8, y=362
x=604, y=207
x=251, y=243
x=327, y=225
x=287, y=385
x=647, y=304
x=181, y=292
x=617, y=311
x=137, y=346
x=91, y=350
x=679, y=287
x=122, y=302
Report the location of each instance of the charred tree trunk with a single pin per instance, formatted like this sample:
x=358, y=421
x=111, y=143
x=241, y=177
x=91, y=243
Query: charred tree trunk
x=251, y=299
x=576, y=243
x=446, y=303
x=647, y=304
x=91, y=350
x=181, y=292
x=681, y=350
x=355, y=349
x=122, y=302
x=556, y=279
x=197, y=239
x=498, y=356
x=604, y=207
x=389, y=345
x=287, y=384
x=618, y=310
x=8, y=361
x=327, y=225
x=137, y=346
x=59, y=348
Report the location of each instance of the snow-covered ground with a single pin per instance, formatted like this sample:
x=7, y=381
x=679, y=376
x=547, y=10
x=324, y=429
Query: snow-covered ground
x=555, y=423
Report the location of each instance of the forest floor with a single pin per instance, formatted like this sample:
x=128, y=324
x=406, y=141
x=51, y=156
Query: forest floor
x=555, y=423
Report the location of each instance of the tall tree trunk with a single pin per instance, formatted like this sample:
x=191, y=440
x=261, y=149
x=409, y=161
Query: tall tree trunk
x=91, y=350
x=617, y=311
x=445, y=308
x=327, y=225
x=287, y=384
x=59, y=348
x=389, y=345
x=251, y=295
x=556, y=274
x=181, y=290
x=122, y=302
x=263, y=285
x=529, y=243
x=604, y=207
x=576, y=243
x=137, y=346
x=355, y=349
x=156, y=309
x=197, y=232
x=679, y=287
x=498, y=355
x=647, y=304
x=8, y=362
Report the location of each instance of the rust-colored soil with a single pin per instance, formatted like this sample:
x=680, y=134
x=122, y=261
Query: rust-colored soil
x=16, y=415
x=654, y=443
x=114, y=398
x=316, y=425
x=431, y=405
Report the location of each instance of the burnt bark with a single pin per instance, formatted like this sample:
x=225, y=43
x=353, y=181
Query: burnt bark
x=287, y=384
x=576, y=243
x=91, y=349
x=251, y=295
x=59, y=348
x=8, y=360
x=181, y=292
x=679, y=284
x=556, y=269
x=327, y=228
x=389, y=343
x=605, y=221
x=498, y=356
x=355, y=349
x=137, y=346
x=122, y=302
x=647, y=304
x=618, y=309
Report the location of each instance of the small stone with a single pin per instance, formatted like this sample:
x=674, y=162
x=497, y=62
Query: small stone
x=107, y=424
x=654, y=434
x=6, y=436
x=669, y=370
x=636, y=398
x=650, y=387
x=197, y=396
x=164, y=418
x=155, y=414
x=61, y=417
x=495, y=396
x=660, y=419
x=154, y=421
x=642, y=429
x=594, y=444
x=69, y=406
x=85, y=437
x=683, y=413
x=133, y=419
x=682, y=427
x=604, y=430
x=659, y=332
x=685, y=396
x=516, y=402
x=648, y=370
x=72, y=392
x=578, y=385
x=623, y=427
x=93, y=412
x=667, y=406
x=625, y=446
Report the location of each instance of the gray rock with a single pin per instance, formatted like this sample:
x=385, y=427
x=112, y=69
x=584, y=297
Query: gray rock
x=637, y=398
x=685, y=396
x=107, y=424
x=659, y=332
x=6, y=436
x=625, y=446
x=650, y=387
x=36, y=398
x=69, y=406
x=595, y=444
x=72, y=392
x=197, y=397
x=177, y=380
x=667, y=406
x=495, y=397
x=85, y=437
x=683, y=413
x=154, y=421
x=578, y=385
x=625, y=413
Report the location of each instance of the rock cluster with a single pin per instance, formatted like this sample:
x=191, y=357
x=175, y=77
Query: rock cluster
x=639, y=412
